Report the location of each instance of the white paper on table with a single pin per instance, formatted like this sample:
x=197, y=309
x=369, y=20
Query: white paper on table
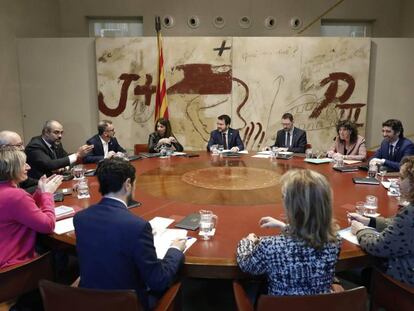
x=352, y=161
x=64, y=226
x=386, y=184
x=347, y=235
x=261, y=156
x=229, y=150
x=159, y=224
x=319, y=161
x=265, y=152
x=163, y=240
x=63, y=210
x=177, y=153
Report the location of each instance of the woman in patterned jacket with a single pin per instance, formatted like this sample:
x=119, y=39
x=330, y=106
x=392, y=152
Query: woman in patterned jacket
x=301, y=260
x=392, y=238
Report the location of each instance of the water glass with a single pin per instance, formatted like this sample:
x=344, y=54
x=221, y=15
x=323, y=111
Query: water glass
x=382, y=172
x=163, y=151
x=309, y=153
x=208, y=222
x=373, y=170
x=82, y=189
x=275, y=152
x=338, y=160
x=371, y=205
x=214, y=149
x=78, y=172
x=360, y=207
x=220, y=148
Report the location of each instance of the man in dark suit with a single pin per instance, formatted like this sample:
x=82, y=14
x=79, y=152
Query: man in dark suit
x=394, y=147
x=115, y=247
x=225, y=136
x=45, y=153
x=105, y=145
x=291, y=138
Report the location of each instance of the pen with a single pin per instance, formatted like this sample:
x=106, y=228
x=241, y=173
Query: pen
x=186, y=238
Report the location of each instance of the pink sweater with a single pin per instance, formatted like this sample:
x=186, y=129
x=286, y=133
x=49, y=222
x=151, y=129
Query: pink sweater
x=21, y=217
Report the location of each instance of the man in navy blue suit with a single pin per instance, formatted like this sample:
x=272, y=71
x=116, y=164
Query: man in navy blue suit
x=105, y=144
x=290, y=138
x=115, y=247
x=226, y=136
x=394, y=147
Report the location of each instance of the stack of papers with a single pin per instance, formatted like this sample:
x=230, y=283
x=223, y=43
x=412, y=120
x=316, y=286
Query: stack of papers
x=347, y=235
x=318, y=161
x=163, y=237
x=352, y=161
x=64, y=226
x=63, y=211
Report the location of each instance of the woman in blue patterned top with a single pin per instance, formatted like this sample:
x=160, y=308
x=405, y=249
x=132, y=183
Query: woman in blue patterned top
x=301, y=260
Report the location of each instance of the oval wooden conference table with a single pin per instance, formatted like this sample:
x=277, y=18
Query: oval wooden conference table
x=239, y=191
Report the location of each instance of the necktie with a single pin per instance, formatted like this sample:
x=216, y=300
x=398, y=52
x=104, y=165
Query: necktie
x=288, y=140
x=391, y=152
x=53, y=149
x=224, y=141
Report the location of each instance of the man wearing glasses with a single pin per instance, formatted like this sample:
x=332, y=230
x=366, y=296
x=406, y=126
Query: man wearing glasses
x=9, y=139
x=105, y=145
x=45, y=153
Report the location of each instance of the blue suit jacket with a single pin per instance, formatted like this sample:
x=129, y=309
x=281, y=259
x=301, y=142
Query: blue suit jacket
x=97, y=153
x=403, y=148
x=116, y=251
x=233, y=139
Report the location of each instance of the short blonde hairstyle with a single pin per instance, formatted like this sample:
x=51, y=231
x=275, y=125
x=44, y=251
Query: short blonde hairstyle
x=407, y=172
x=307, y=197
x=11, y=163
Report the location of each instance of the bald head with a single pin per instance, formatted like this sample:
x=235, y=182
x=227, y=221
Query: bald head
x=52, y=132
x=9, y=138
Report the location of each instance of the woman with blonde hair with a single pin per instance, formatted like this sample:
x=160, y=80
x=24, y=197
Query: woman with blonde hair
x=21, y=214
x=301, y=260
x=391, y=239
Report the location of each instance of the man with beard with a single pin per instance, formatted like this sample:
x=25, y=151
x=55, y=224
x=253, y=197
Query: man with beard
x=45, y=153
x=224, y=135
x=394, y=147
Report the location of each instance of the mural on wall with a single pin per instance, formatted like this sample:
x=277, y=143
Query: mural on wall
x=254, y=80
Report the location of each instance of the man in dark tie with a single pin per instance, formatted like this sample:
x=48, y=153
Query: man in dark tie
x=290, y=137
x=394, y=147
x=45, y=153
x=226, y=136
x=105, y=145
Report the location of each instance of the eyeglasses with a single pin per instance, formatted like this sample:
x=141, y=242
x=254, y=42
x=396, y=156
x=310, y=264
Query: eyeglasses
x=18, y=146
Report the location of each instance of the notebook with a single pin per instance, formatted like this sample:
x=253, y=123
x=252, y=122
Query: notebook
x=344, y=169
x=365, y=180
x=190, y=222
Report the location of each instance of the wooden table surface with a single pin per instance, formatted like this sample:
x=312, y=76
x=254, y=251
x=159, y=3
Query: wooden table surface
x=239, y=191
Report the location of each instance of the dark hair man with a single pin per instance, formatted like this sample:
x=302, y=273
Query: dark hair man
x=105, y=145
x=226, y=136
x=290, y=138
x=115, y=247
x=394, y=147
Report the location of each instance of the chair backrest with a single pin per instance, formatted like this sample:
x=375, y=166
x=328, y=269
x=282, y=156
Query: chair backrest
x=140, y=148
x=58, y=297
x=353, y=299
x=23, y=278
x=390, y=294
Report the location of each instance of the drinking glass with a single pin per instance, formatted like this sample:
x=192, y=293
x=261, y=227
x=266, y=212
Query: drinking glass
x=82, y=189
x=214, y=149
x=78, y=172
x=382, y=172
x=309, y=153
x=338, y=160
x=373, y=170
x=275, y=152
x=371, y=205
x=220, y=148
x=208, y=222
x=360, y=207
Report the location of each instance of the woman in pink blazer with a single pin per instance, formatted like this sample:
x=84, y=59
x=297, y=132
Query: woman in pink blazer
x=348, y=142
x=22, y=215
